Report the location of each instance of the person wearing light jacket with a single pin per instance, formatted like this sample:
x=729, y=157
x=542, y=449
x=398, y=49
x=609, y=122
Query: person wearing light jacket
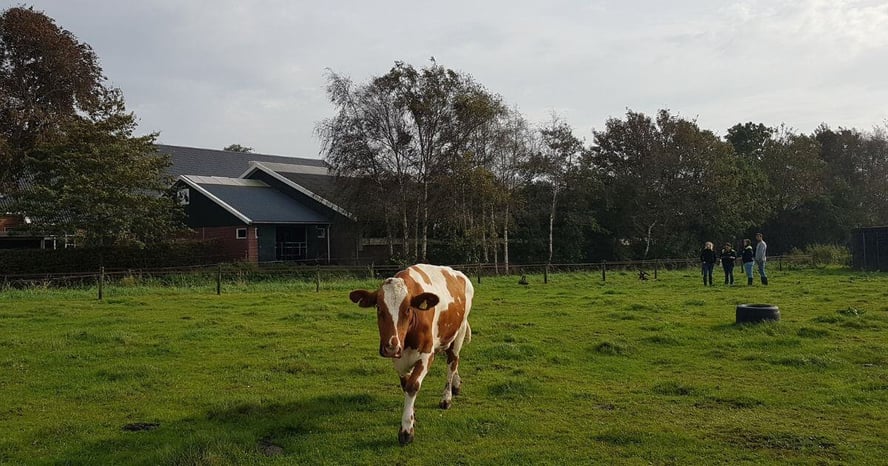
x=761, y=258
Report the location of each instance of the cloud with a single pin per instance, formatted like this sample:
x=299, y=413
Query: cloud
x=212, y=73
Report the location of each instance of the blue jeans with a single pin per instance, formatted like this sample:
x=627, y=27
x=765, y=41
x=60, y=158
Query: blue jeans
x=761, y=267
x=747, y=267
x=729, y=273
x=707, y=273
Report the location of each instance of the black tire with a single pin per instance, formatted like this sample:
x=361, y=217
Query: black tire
x=757, y=313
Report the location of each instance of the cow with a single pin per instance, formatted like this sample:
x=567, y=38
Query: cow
x=421, y=311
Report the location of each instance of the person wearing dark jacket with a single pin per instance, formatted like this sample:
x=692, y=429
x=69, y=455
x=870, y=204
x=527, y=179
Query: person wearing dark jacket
x=728, y=257
x=708, y=258
x=748, y=258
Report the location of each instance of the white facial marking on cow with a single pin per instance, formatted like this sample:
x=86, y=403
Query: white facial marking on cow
x=395, y=291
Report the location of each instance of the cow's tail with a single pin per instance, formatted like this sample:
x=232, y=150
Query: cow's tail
x=468, y=338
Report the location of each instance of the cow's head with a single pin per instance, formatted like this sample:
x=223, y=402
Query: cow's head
x=395, y=308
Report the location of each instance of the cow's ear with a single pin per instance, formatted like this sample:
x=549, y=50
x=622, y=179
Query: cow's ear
x=364, y=298
x=424, y=301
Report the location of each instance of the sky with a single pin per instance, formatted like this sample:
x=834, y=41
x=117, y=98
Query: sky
x=210, y=73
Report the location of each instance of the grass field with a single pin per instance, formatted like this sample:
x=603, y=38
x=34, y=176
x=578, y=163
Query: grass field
x=571, y=372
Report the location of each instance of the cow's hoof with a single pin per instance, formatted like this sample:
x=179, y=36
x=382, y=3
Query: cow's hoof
x=445, y=404
x=454, y=391
x=405, y=437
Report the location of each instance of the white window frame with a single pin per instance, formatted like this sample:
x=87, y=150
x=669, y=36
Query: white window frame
x=240, y=233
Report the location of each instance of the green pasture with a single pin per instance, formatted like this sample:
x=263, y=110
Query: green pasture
x=575, y=371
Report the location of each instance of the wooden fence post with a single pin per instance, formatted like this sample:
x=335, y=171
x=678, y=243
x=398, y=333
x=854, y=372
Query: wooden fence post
x=656, y=268
x=101, y=282
x=219, y=280
x=318, y=278
x=604, y=270
x=479, y=273
x=546, y=273
x=372, y=273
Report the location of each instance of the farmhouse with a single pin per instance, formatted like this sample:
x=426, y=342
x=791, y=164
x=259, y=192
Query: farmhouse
x=263, y=208
x=258, y=207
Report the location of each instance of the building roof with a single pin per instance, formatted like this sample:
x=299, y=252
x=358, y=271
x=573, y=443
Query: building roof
x=253, y=201
x=211, y=162
x=313, y=182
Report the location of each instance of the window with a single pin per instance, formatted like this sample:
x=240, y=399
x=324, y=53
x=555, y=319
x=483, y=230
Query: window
x=241, y=233
x=183, y=196
x=322, y=232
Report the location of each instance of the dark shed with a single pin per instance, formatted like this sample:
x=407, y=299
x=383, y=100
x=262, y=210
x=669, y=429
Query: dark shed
x=869, y=248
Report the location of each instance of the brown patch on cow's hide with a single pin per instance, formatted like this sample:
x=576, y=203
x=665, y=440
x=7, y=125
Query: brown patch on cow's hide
x=450, y=321
x=422, y=275
x=412, y=384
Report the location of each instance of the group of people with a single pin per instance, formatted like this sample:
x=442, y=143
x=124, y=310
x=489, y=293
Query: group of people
x=728, y=257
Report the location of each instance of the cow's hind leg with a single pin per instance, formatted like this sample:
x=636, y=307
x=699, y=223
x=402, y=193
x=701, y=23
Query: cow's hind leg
x=411, y=383
x=453, y=383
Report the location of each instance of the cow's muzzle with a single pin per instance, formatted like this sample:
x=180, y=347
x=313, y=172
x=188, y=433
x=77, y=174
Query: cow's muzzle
x=389, y=350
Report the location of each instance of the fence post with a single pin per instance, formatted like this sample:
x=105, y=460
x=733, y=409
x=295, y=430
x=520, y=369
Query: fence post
x=219, y=279
x=604, y=270
x=479, y=273
x=546, y=273
x=318, y=278
x=101, y=282
x=780, y=263
x=372, y=273
x=656, y=268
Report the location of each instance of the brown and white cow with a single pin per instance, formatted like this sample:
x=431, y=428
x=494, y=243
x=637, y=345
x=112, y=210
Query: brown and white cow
x=422, y=310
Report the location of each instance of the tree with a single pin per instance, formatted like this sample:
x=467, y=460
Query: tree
x=47, y=77
x=72, y=162
x=408, y=129
x=511, y=149
x=668, y=184
x=750, y=139
x=237, y=148
x=95, y=179
x=555, y=164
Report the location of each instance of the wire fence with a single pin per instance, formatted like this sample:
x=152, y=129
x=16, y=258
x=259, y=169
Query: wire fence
x=224, y=274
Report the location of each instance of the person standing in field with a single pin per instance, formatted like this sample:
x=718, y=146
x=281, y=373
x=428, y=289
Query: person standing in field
x=761, y=250
x=707, y=257
x=728, y=257
x=747, y=256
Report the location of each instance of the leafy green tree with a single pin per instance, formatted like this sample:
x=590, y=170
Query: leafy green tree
x=72, y=162
x=47, y=77
x=237, y=148
x=555, y=165
x=99, y=181
x=750, y=139
x=407, y=129
x=668, y=185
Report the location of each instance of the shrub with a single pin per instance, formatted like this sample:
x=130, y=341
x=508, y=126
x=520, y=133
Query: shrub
x=825, y=254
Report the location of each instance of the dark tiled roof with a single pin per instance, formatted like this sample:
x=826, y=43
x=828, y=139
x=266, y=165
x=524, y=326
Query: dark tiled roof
x=211, y=162
x=257, y=201
x=322, y=185
x=315, y=182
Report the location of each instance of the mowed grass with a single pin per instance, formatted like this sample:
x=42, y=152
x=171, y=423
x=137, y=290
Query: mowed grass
x=575, y=371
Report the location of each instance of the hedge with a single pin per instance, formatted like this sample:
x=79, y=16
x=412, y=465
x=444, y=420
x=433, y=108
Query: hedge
x=75, y=260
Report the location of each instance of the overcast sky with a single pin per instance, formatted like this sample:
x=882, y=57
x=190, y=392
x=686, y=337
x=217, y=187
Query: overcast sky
x=209, y=73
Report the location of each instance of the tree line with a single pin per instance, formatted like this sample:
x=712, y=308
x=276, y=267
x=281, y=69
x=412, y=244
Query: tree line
x=446, y=170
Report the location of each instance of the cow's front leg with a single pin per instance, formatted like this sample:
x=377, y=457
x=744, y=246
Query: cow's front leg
x=410, y=383
x=451, y=387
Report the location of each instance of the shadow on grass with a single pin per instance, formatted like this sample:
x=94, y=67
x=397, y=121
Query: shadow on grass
x=243, y=432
